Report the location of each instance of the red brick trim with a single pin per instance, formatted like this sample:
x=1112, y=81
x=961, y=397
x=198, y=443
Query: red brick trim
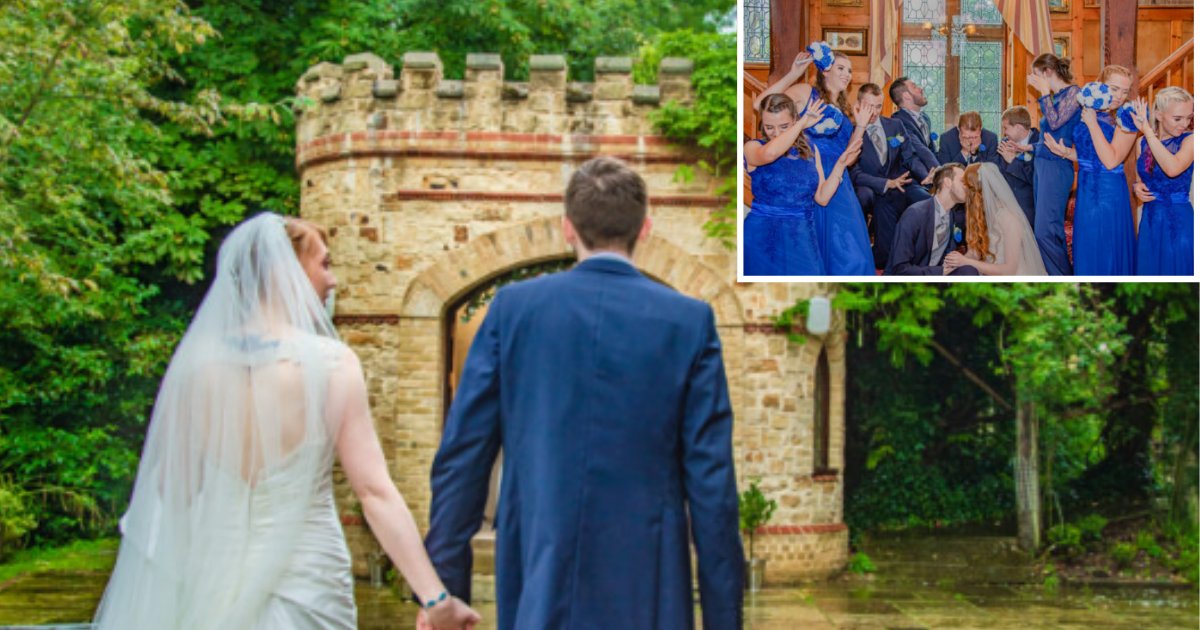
x=548, y=147
x=791, y=530
x=360, y=319
x=772, y=329
x=708, y=201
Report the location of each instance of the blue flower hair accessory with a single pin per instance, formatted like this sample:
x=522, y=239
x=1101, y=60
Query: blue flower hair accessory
x=822, y=55
x=1125, y=118
x=1096, y=95
x=895, y=141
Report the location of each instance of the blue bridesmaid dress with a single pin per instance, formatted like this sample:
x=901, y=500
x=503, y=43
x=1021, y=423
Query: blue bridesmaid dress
x=1104, y=241
x=1053, y=177
x=779, y=235
x=1165, y=245
x=845, y=245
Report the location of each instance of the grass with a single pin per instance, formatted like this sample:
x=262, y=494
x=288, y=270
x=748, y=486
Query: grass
x=79, y=556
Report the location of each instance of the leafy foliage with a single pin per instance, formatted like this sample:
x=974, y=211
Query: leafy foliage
x=933, y=446
x=754, y=511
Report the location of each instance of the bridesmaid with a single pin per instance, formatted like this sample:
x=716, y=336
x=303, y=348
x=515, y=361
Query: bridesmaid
x=1104, y=241
x=1052, y=174
x=779, y=235
x=845, y=245
x=1165, y=245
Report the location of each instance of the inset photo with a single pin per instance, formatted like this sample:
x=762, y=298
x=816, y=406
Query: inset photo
x=966, y=138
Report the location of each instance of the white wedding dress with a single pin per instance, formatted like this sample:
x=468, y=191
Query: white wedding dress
x=232, y=523
x=1012, y=246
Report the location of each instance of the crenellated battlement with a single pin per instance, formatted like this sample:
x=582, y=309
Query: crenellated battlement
x=364, y=94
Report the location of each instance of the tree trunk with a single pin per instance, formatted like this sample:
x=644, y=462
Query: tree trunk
x=1029, y=521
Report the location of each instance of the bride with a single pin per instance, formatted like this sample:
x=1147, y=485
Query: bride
x=232, y=522
x=999, y=239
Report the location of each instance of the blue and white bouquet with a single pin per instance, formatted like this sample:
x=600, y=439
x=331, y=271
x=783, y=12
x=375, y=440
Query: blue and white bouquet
x=1125, y=118
x=1096, y=95
x=822, y=55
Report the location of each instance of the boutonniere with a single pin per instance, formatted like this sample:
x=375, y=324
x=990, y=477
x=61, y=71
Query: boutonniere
x=933, y=137
x=958, y=234
x=983, y=148
x=1027, y=156
x=895, y=141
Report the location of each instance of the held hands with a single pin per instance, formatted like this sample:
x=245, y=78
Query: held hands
x=452, y=614
x=953, y=261
x=899, y=183
x=1143, y=192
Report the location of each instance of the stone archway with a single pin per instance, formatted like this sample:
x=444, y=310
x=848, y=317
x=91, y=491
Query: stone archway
x=495, y=253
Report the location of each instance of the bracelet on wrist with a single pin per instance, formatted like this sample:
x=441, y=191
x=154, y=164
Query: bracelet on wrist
x=436, y=600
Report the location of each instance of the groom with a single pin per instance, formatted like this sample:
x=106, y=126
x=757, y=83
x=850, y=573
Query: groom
x=607, y=392
x=930, y=229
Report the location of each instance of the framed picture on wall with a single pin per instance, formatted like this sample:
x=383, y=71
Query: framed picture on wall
x=1062, y=45
x=848, y=41
x=844, y=3
x=1060, y=6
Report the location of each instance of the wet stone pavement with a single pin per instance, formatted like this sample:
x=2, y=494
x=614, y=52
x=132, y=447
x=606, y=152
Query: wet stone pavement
x=62, y=599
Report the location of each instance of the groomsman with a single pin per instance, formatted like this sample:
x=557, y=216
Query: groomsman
x=910, y=99
x=967, y=143
x=886, y=174
x=1016, y=155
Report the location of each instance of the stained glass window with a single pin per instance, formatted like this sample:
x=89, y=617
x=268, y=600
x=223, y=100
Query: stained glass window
x=980, y=82
x=921, y=11
x=983, y=12
x=756, y=16
x=925, y=65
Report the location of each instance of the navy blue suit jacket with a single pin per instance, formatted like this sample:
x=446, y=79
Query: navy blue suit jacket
x=951, y=148
x=1019, y=175
x=869, y=172
x=912, y=250
x=926, y=149
x=607, y=392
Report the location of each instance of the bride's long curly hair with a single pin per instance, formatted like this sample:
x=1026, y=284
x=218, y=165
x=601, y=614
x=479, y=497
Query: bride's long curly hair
x=977, y=228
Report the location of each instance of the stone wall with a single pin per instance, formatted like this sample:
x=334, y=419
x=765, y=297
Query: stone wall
x=432, y=188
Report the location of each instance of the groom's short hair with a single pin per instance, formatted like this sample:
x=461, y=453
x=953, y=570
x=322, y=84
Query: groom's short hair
x=606, y=202
x=943, y=173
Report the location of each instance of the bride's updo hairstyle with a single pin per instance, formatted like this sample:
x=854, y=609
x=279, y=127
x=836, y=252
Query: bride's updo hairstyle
x=977, y=228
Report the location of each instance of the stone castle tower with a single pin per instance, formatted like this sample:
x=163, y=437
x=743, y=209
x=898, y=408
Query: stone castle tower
x=434, y=190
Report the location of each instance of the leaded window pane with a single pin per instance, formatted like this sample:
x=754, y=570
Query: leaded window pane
x=982, y=12
x=921, y=11
x=981, y=82
x=756, y=16
x=925, y=64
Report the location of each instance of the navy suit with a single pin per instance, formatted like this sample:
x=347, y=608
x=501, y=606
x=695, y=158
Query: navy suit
x=870, y=179
x=912, y=253
x=951, y=148
x=1019, y=175
x=926, y=146
x=607, y=392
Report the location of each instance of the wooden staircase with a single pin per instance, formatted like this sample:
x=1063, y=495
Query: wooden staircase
x=1178, y=70
x=751, y=88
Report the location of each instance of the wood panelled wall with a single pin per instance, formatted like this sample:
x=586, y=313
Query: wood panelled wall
x=1159, y=32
